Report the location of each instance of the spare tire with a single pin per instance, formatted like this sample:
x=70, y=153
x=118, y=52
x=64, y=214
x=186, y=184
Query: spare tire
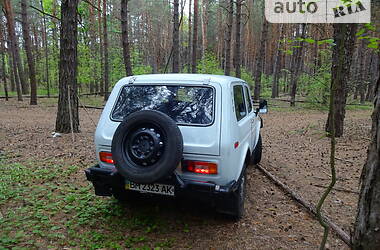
x=147, y=146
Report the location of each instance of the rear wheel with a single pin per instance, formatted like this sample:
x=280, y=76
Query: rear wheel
x=233, y=204
x=239, y=197
x=257, y=152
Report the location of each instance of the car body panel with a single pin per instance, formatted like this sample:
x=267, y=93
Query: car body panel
x=215, y=143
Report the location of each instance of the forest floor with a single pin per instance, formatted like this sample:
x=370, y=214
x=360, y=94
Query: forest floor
x=45, y=200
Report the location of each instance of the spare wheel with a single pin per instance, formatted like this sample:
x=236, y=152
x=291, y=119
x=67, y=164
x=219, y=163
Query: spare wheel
x=147, y=146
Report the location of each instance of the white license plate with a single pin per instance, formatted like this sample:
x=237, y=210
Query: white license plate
x=151, y=188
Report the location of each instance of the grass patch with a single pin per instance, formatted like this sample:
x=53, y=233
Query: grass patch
x=44, y=206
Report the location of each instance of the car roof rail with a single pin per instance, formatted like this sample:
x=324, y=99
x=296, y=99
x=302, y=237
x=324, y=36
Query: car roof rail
x=207, y=81
x=132, y=80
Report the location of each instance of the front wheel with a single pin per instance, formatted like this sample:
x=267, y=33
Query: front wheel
x=257, y=152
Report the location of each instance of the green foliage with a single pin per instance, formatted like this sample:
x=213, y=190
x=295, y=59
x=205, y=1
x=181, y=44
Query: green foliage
x=316, y=87
x=364, y=33
x=266, y=86
x=247, y=77
x=209, y=65
x=41, y=203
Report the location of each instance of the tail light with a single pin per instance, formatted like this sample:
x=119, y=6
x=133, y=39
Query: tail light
x=106, y=157
x=200, y=167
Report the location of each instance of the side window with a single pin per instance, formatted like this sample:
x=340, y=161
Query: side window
x=240, y=108
x=248, y=99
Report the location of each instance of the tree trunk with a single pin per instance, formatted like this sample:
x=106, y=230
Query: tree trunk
x=3, y=75
x=372, y=69
x=237, y=57
x=2, y=63
x=260, y=59
x=67, y=115
x=13, y=47
x=101, y=49
x=362, y=71
x=189, y=42
x=105, y=51
x=195, y=39
x=367, y=225
x=44, y=41
x=344, y=38
x=296, y=65
x=175, y=60
x=205, y=6
x=277, y=65
x=227, y=67
x=10, y=69
x=125, y=39
x=94, y=85
x=29, y=55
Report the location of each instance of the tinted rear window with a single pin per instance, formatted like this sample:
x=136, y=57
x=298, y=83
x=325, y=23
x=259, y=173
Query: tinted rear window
x=184, y=104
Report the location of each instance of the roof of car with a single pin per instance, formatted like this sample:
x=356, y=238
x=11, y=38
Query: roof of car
x=185, y=77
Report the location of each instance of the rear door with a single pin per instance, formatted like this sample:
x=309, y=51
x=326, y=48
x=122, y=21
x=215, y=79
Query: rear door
x=204, y=139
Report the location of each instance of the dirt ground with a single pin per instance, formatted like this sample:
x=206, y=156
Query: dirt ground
x=296, y=150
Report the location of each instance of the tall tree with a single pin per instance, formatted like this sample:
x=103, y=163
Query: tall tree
x=68, y=115
x=366, y=232
x=205, y=8
x=94, y=84
x=189, y=42
x=3, y=76
x=105, y=51
x=195, y=39
x=227, y=67
x=277, y=64
x=260, y=59
x=29, y=55
x=125, y=38
x=45, y=44
x=237, y=57
x=13, y=48
x=344, y=40
x=101, y=49
x=175, y=68
x=296, y=63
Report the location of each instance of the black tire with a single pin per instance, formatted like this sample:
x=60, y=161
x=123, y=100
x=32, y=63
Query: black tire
x=239, y=196
x=147, y=146
x=257, y=152
x=233, y=204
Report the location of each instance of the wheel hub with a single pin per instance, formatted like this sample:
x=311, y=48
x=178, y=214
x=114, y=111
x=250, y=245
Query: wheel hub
x=145, y=146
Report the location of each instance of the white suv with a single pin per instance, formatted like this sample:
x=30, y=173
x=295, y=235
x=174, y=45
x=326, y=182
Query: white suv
x=178, y=134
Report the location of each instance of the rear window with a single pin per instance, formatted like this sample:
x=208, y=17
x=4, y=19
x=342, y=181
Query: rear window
x=184, y=104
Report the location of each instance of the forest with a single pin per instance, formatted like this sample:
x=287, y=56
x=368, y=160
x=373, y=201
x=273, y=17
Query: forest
x=59, y=60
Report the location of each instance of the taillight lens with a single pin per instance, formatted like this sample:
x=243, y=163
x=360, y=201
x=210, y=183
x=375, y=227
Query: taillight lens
x=106, y=157
x=200, y=167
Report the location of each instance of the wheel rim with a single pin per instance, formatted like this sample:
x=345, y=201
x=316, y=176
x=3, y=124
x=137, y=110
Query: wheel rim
x=145, y=145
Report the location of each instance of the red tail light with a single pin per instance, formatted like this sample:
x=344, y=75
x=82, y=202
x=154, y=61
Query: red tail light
x=106, y=157
x=200, y=167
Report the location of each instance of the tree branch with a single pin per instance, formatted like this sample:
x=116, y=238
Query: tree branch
x=44, y=13
x=309, y=207
x=92, y=5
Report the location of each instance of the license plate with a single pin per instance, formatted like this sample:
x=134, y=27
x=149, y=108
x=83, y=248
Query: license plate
x=151, y=188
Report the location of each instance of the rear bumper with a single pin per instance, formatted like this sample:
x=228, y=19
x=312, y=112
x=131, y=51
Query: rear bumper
x=106, y=181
